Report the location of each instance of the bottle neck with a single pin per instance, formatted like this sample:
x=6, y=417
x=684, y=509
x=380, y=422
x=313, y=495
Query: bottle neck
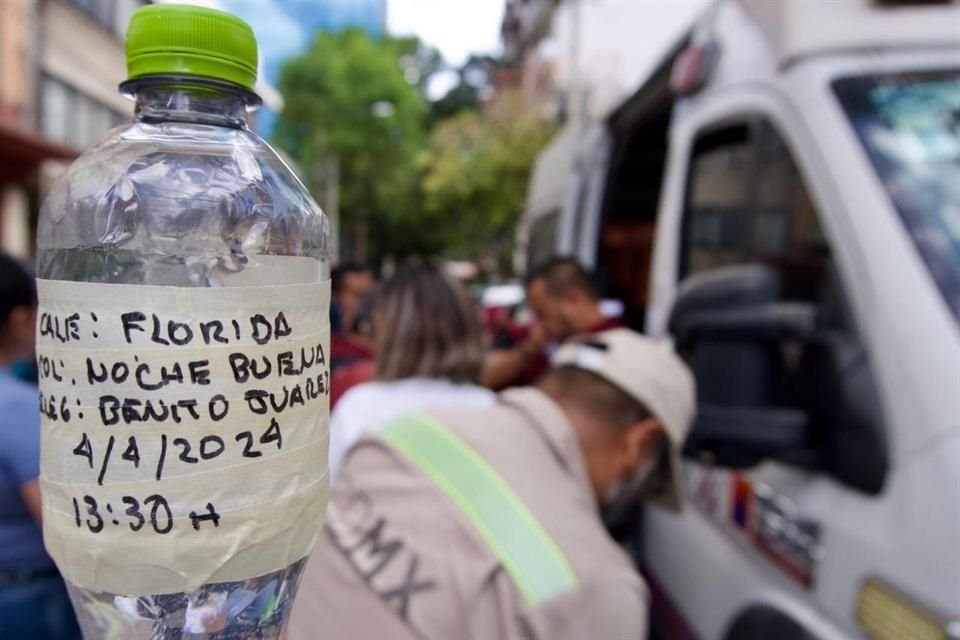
x=194, y=100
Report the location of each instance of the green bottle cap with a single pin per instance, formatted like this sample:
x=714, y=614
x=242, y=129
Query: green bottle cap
x=178, y=39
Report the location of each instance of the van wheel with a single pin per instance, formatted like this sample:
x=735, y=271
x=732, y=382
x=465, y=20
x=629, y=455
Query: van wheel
x=763, y=623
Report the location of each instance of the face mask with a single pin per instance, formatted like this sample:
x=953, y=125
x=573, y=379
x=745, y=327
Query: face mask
x=624, y=491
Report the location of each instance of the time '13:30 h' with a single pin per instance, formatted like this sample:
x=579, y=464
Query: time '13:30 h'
x=159, y=515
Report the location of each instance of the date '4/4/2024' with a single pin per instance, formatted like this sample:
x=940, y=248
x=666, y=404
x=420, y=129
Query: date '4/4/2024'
x=204, y=448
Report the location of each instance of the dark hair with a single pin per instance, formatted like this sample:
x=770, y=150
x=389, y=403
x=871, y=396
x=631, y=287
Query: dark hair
x=428, y=327
x=17, y=287
x=339, y=274
x=562, y=274
x=594, y=396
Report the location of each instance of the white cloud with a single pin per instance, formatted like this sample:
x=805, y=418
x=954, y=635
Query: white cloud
x=456, y=27
x=440, y=83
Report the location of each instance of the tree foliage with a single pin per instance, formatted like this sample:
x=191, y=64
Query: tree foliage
x=475, y=170
x=475, y=76
x=347, y=98
x=456, y=190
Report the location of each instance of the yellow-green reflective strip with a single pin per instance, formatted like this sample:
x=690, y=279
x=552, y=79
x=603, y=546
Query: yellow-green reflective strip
x=525, y=550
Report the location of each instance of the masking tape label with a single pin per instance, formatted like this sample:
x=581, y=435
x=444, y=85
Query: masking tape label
x=184, y=431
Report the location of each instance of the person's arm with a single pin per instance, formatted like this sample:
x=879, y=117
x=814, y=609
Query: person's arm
x=20, y=449
x=30, y=493
x=503, y=367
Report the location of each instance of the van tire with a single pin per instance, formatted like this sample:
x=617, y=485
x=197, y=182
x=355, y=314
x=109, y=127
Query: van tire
x=762, y=622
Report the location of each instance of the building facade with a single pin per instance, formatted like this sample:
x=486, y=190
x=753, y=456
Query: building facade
x=60, y=64
x=589, y=55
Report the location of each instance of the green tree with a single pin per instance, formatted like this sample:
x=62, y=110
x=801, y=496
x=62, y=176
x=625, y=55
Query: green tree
x=474, y=77
x=475, y=171
x=347, y=101
x=418, y=60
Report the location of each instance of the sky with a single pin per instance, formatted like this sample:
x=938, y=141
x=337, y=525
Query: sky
x=456, y=27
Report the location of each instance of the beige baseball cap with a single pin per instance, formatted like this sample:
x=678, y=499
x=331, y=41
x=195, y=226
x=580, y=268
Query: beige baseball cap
x=652, y=373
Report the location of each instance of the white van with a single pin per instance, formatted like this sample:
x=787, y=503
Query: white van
x=782, y=196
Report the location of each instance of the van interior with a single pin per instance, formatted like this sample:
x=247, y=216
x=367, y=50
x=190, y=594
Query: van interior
x=632, y=193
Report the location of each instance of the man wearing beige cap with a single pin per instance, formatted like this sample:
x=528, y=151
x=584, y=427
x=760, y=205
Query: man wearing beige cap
x=487, y=524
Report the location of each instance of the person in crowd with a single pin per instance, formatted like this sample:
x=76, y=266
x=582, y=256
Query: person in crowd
x=33, y=598
x=487, y=524
x=428, y=353
x=349, y=284
x=360, y=370
x=564, y=302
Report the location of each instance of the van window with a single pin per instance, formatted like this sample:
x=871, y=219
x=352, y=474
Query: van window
x=718, y=203
x=747, y=202
x=909, y=125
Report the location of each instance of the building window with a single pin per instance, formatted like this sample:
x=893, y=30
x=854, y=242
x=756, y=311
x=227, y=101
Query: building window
x=55, y=110
x=99, y=10
x=72, y=118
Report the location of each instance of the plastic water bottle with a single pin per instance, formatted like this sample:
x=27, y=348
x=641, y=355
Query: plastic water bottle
x=178, y=260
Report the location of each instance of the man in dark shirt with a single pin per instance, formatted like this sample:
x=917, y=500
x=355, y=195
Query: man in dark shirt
x=565, y=304
x=351, y=283
x=33, y=599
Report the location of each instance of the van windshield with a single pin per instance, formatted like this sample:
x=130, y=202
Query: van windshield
x=909, y=124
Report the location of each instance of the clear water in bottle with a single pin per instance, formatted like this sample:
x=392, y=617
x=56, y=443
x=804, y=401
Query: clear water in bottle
x=184, y=196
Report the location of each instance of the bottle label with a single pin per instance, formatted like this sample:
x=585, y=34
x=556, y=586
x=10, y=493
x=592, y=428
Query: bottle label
x=184, y=432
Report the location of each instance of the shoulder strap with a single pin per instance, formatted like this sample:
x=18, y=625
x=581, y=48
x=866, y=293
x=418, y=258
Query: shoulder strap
x=524, y=548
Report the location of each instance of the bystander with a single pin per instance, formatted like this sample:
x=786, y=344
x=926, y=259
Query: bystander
x=485, y=524
x=428, y=355
x=564, y=303
x=350, y=283
x=33, y=598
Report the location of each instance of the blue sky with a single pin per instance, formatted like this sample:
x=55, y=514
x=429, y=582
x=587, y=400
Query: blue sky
x=284, y=27
x=456, y=27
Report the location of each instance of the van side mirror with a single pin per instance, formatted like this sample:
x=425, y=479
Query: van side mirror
x=773, y=382
x=730, y=328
